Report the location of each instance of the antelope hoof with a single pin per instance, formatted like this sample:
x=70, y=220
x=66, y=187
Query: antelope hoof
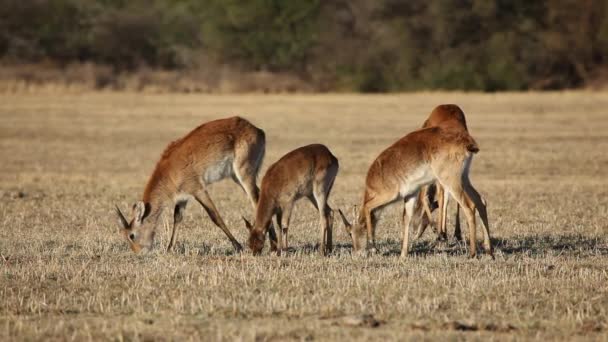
x=237, y=247
x=490, y=252
x=274, y=246
x=359, y=253
x=442, y=237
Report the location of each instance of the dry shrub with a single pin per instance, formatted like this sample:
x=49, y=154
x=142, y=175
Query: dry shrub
x=90, y=76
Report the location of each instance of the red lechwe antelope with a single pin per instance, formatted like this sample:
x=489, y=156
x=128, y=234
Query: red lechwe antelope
x=215, y=150
x=399, y=172
x=308, y=171
x=448, y=117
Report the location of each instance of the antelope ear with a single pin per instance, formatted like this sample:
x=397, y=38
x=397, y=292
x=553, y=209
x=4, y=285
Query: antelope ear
x=347, y=225
x=122, y=221
x=139, y=210
x=247, y=224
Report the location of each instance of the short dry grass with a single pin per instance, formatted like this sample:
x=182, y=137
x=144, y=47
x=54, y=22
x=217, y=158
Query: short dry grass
x=65, y=272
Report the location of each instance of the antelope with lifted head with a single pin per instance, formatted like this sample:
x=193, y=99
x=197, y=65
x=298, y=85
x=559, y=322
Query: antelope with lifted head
x=399, y=172
x=225, y=148
x=451, y=118
x=308, y=171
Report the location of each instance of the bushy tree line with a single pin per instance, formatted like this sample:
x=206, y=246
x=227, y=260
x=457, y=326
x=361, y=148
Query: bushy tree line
x=361, y=45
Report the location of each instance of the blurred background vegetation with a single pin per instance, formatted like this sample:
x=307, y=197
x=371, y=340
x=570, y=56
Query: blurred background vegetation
x=316, y=45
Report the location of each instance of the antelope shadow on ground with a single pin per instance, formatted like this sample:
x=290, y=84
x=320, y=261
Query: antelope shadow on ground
x=530, y=245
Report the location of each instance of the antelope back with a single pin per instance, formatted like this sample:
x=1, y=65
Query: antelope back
x=446, y=116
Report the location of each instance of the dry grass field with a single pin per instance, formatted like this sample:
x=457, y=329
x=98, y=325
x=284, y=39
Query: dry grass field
x=67, y=274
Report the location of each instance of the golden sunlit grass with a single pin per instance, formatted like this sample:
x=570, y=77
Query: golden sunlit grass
x=66, y=273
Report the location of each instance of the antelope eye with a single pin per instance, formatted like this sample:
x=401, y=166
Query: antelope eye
x=132, y=237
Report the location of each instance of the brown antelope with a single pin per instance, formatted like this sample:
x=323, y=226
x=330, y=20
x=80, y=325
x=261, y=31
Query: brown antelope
x=418, y=159
x=308, y=171
x=449, y=117
x=215, y=150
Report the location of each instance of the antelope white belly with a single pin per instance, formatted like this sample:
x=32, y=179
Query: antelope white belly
x=415, y=180
x=218, y=171
x=181, y=197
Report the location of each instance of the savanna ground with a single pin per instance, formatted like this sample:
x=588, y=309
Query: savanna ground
x=66, y=273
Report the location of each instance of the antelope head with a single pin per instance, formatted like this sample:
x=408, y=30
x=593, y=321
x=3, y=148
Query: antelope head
x=140, y=230
x=256, y=238
x=355, y=232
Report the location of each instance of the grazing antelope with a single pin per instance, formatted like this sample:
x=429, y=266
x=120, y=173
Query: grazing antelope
x=215, y=150
x=418, y=159
x=449, y=117
x=308, y=171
